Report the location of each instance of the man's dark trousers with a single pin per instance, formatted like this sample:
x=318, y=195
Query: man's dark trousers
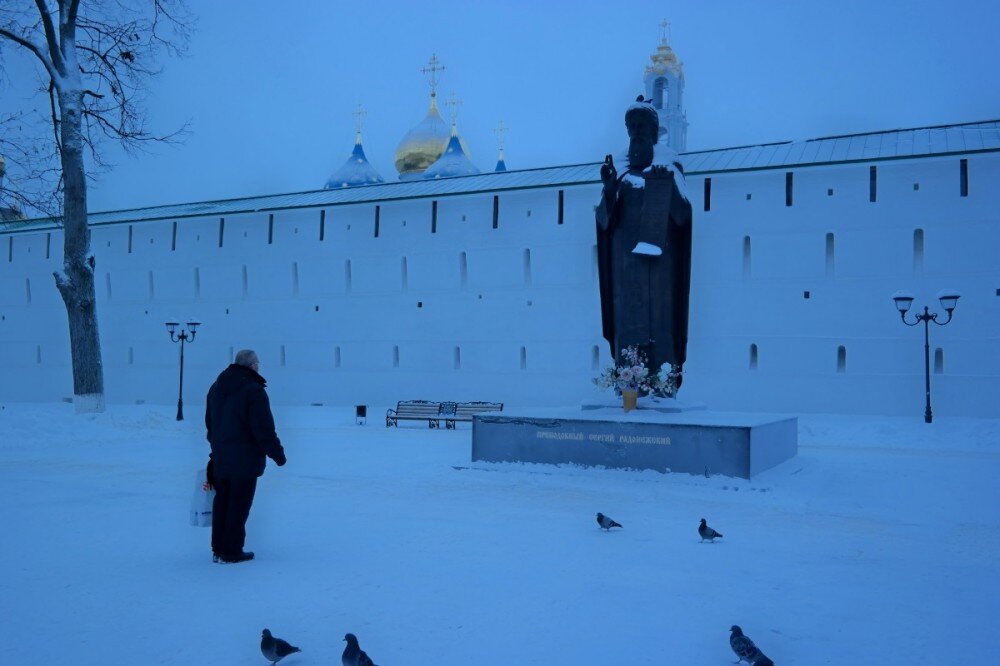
x=230, y=511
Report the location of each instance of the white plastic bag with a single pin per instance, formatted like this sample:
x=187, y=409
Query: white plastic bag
x=201, y=502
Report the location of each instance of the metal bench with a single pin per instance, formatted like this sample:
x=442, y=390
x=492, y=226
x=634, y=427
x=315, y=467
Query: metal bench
x=435, y=412
x=464, y=411
x=414, y=410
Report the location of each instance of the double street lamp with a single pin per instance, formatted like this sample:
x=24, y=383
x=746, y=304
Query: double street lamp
x=182, y=337
x=949, y=299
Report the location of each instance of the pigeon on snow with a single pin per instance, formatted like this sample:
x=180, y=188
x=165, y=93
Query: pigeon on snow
x=353, y=654
x=744, y=647
x=706, y=532
x=605, y=522
x=275, y=649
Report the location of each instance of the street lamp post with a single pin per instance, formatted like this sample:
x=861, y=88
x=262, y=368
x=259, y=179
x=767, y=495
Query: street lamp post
x=182, y=337
x=949, y=299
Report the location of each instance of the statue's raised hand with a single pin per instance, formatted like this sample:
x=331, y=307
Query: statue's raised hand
x=609, y=175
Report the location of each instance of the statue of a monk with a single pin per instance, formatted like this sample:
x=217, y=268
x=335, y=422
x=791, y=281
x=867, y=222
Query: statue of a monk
x=644, y=248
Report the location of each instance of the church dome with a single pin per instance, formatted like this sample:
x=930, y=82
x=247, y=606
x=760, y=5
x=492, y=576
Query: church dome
x=357, y=170
x=453, y=162
x=422, y=145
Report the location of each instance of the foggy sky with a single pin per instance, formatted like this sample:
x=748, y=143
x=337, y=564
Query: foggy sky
x=269, y=87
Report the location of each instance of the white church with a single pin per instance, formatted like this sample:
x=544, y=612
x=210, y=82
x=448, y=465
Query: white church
x=451, y=283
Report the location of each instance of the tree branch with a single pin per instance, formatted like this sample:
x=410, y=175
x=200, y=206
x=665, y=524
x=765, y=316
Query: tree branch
x=50, y=37
x=34, y=48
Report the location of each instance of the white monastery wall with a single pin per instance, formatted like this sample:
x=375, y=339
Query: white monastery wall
x=442, y=304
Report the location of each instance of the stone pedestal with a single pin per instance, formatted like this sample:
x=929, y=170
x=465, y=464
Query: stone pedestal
x=699, y=441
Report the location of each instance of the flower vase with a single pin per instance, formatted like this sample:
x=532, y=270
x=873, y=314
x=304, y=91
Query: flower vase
x=628, y=399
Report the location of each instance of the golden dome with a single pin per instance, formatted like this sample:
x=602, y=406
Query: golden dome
x=422, y=145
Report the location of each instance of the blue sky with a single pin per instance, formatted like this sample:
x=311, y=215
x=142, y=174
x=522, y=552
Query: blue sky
x=269, y=87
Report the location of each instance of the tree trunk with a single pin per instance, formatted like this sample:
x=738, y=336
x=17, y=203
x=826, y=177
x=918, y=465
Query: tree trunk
x=76, y=281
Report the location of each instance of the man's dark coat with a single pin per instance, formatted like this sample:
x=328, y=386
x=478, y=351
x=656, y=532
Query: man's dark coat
x=240, y=425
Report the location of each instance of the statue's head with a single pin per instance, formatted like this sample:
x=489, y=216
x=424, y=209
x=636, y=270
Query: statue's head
x=643, y=127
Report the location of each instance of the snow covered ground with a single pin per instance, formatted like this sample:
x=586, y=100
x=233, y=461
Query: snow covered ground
x=877, y=545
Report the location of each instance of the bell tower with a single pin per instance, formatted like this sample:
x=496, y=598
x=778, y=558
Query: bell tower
x=664, y=79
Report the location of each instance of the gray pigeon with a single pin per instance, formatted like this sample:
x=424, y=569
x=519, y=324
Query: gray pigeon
x=706, y=532
x=275, y=649
x=605, y=522
x=353, y=654
x=743, y=646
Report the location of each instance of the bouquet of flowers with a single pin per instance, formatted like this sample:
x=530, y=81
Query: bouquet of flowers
x=630, y=374
x=668, y=380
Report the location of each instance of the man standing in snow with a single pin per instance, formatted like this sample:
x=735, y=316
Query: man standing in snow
x=240, y=429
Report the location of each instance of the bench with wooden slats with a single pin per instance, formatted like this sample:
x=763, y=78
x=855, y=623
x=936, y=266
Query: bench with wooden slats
x=464, y=411
x=414, y=410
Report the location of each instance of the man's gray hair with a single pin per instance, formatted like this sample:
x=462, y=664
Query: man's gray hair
x=247, y=358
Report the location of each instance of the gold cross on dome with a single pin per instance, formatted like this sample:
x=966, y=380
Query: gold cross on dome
x=500, y=130
x=453, y=103
x=433, y=67
x=664, y=31
x=359, y=118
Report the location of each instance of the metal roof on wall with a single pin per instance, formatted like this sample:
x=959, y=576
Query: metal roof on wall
x=892, y=144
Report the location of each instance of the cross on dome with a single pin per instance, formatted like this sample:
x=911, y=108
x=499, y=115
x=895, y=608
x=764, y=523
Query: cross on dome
x=433, y=67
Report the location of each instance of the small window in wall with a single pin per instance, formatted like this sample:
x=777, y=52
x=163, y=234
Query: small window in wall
x=322, y=224
x=916, y=187
x=152, y=290
x=27, y=290
x=347, y=276
x=708, y=194
x=829, y=255
x=283, y=359
x=595, y=358
x=496, y=211
x=749, y=196
x=457, y=358
x=395, y=356
x=270, y=228
x=841, y=358
x=594, y=270
x=38, y=354
x=872, y=183
x=404, y=274
x=131, y=355
x=939, y=361
x=829, y=192
x=222, y=230
x=963, y=176
x=463, y=269
x=788, y=188
x=753, y=356
x=48, y=245
x=918, y=250
x=197, y=282
x=336, y=357
x=524, y=358
x=527, y=268
x=562, y=203
x=10, y=249
x=173, y=237
x=434, y=217
x=130, y=239
x=107, y=284
x=746, y=257
x=245, y=281
x=378, y=217
x=295, y=278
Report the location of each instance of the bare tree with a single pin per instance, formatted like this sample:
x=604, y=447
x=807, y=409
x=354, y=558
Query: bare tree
x=97, y=57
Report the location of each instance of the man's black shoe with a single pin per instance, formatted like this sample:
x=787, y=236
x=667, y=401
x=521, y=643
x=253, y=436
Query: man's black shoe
x=234, y=559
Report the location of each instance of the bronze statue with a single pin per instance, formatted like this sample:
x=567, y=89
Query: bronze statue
x=644, y=248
